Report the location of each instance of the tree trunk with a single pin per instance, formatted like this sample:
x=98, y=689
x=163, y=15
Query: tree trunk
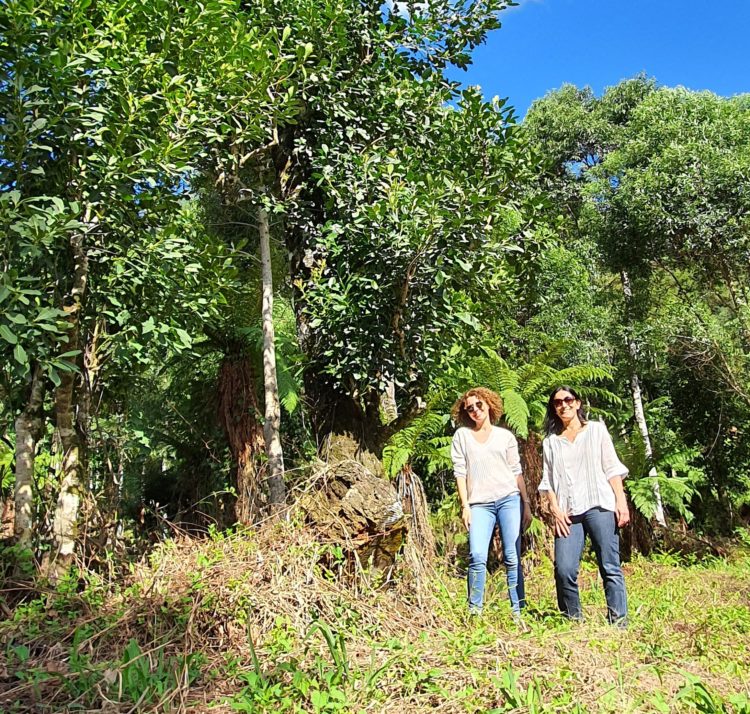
x=530, y=450
x=238, y=412
x=29, y=425
x=359, y=511
x=635, y=392
x=346, y=430
x=272, y=425
x=65, y=523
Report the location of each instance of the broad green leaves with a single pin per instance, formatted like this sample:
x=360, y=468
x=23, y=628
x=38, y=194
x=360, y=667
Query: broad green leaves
x=32, y=328
x=418, y=219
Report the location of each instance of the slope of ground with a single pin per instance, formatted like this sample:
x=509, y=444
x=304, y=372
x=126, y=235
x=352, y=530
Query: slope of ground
x=275, y=621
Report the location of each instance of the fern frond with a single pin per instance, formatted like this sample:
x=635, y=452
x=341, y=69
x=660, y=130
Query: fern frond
x=494, y=373
x=538, y=383
x=288, y=383
x=394, y=459
x=555, y=352
x=537, y=412
x=516, y=412
x=404, y=445
x=582, y=374
x=600, y=394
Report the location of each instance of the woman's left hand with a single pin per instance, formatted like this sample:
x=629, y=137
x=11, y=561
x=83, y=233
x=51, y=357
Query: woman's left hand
x=622, y=512
x=526, y=519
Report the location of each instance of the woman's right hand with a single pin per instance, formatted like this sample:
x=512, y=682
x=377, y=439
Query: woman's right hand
x=466, y=516
x=562, y=523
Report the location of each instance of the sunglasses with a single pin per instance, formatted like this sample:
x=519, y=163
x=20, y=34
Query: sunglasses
x=477, y=406
x=565, y=400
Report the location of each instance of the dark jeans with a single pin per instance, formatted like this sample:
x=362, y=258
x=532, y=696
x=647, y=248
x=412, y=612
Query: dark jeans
x=601, y=526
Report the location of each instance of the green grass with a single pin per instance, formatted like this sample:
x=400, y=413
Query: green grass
x=253, y=623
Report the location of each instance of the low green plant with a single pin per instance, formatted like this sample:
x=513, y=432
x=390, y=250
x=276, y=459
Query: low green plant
x=147, y=677
x=698, y=696
x=320, y=685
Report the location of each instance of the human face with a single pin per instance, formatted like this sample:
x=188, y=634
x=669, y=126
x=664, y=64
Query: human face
x=566, y=406
x=476, y=409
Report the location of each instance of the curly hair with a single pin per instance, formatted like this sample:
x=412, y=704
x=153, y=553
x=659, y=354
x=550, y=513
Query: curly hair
x=491, y=399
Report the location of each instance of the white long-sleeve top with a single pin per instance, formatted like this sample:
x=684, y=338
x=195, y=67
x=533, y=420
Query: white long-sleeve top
x=578, y=473
x=491, y=469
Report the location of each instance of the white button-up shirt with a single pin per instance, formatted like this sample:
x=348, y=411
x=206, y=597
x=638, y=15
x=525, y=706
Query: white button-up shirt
x=578, y=472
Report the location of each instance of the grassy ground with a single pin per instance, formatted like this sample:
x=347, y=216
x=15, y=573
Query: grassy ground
x=256, y=623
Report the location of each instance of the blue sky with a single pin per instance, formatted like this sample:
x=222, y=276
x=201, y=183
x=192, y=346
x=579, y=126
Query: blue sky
x=545, y=43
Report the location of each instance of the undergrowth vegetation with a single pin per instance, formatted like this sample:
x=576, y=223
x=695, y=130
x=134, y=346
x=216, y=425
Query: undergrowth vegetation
x=274, y=621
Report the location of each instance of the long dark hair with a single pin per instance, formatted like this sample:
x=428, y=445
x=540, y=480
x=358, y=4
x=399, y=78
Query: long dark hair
x=552, y=423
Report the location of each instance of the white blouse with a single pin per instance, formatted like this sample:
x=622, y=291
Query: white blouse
x=490, y=469
x=579, y=472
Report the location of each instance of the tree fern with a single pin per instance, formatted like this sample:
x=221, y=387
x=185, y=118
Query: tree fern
x=524, y=391
x=677, y=471
x=412, y=441
x=516, y=412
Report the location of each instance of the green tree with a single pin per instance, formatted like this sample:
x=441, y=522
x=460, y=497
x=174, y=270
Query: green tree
x=647, y=175
x=94, y=150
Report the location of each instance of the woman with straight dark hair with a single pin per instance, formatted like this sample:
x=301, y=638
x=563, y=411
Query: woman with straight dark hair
x=583, y=481
x=490, y=485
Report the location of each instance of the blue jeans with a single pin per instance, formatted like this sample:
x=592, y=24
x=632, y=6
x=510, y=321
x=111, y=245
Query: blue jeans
x=601, y=526
x=507, y=514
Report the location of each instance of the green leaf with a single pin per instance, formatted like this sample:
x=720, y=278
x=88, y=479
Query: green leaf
x=53, y=375
x=7, y=335
x=187, y=341
x=19, y=353
x=318, y=699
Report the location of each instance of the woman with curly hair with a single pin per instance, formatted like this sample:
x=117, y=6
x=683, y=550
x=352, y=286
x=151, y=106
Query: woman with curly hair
x=490, y=485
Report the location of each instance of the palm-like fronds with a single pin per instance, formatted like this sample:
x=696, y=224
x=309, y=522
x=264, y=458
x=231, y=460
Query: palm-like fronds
x=524, y=391
x=424, y=439
x=288, y=359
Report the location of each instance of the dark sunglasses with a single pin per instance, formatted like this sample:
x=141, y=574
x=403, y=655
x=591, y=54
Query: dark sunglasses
x=477, y=406
x=557, y=403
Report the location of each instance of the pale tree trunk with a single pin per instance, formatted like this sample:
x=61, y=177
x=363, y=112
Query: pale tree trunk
x=271, y=428
x=29, y=425
x=636, y=395
x=388, y=404
x=65, y=523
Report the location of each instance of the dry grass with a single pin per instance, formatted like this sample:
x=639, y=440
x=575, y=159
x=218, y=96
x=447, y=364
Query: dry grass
x=408, y=644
